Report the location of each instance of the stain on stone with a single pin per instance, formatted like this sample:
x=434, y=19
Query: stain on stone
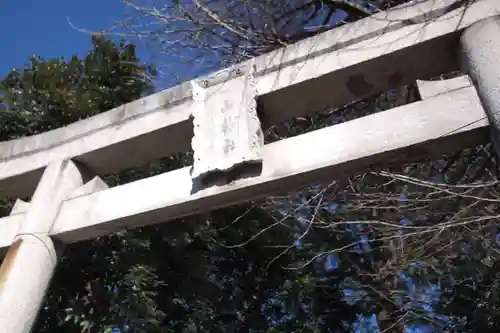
x=8, y=261
x=358, y=86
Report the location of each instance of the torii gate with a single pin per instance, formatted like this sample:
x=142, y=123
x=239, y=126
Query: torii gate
x=232, y=164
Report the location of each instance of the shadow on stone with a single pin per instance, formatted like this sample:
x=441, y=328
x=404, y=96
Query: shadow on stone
x=226, y=177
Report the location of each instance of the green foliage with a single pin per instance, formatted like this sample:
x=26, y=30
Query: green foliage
x=184, y=276
x=48, y=94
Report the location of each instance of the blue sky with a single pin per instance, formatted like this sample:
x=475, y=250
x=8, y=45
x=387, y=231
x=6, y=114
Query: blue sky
x=41, y=27
x=37, y=27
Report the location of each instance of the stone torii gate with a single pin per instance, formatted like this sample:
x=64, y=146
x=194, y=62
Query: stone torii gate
x=222, y=117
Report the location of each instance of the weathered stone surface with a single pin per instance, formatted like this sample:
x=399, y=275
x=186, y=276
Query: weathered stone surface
x=413, y=41
x=92, y=186
x=480, y=46
x=20, y=206
x=429, y=89
x=423, y=129
x=227, y=129
x=30, y=262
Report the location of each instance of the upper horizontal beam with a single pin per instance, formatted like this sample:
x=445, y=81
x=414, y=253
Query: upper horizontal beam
x=430, y=127
x=388, y=49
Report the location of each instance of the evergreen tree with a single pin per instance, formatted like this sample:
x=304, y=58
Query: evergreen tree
x=182, y=276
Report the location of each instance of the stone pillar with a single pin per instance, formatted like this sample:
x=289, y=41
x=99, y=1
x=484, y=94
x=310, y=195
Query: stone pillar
x=480, y=58
x=31, y=260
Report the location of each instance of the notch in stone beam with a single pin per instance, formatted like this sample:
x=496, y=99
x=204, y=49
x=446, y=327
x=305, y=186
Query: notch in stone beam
x=228, y=137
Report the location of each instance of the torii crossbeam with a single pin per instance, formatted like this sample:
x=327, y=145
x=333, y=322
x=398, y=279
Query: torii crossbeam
x=227, y=112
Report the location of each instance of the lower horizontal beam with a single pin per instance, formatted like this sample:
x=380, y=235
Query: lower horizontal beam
x=430, y=127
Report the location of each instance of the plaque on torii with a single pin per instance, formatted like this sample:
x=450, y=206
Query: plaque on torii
x=227, y=137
